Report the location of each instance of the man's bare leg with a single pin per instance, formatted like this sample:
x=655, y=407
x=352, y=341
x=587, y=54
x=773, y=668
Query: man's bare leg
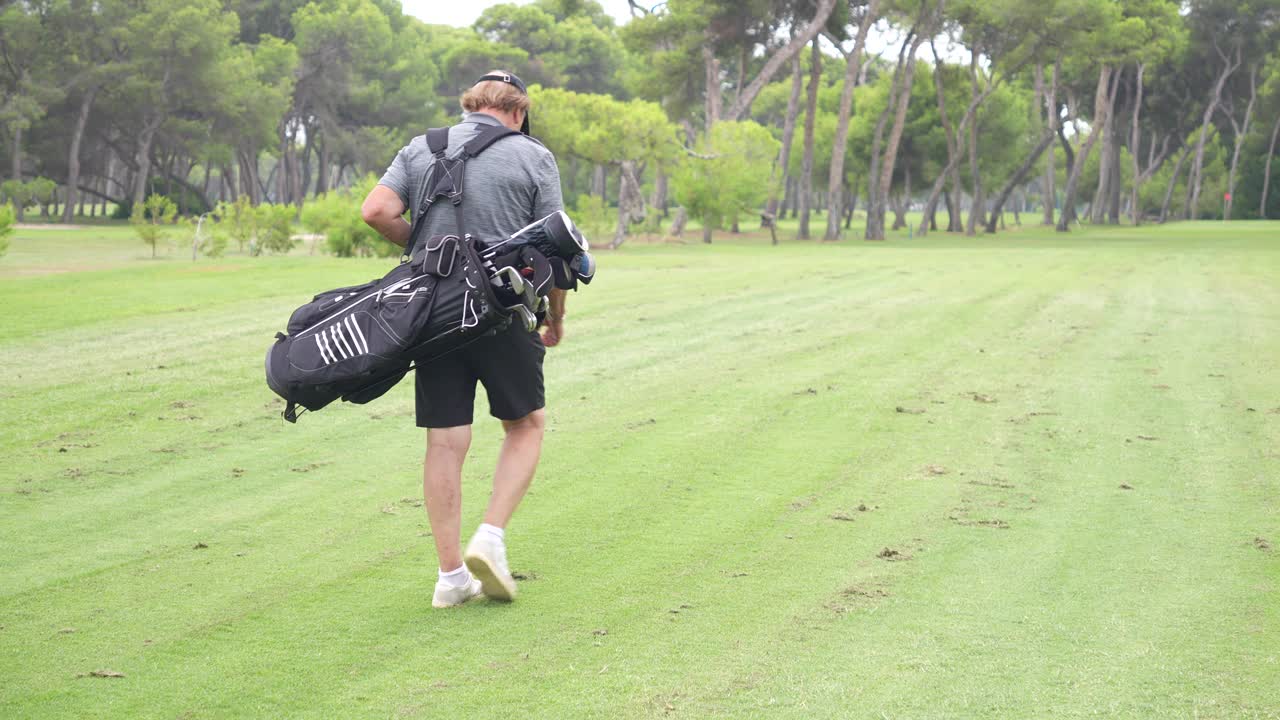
x=442, y=490
x=516, y=464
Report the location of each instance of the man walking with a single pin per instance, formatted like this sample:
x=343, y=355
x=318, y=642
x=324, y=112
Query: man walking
x=509, y=185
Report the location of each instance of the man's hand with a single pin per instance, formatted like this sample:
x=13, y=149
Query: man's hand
x=553, y=331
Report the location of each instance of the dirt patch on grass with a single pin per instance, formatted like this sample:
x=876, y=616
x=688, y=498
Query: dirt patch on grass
x=909, y=411
x=935, y=470
x=893, y=555
x=1262, y=544
x=994, y=484
x=308, y=467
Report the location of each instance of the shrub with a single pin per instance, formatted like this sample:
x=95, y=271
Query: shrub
x=151, y=221
x=7, y=217
x=237, y=220
x=275, y=228
x=214, y=243
x=16, y=192
x=336, y=215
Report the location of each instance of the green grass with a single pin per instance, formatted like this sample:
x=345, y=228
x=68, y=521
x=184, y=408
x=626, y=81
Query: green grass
x=696, y=541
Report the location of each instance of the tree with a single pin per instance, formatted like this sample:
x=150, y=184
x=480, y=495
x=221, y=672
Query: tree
x=238, y=219
x=275, y=228
x=723, y=179
x=626, y=137
x=151, y=221
x=1226, y=35
x=175, y=53
x=810, y=115
x=853, y=70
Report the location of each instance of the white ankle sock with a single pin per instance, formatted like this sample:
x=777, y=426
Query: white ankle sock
x=498, y=533
x=456, y=578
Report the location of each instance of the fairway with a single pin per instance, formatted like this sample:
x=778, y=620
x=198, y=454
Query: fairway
x=1033, y=475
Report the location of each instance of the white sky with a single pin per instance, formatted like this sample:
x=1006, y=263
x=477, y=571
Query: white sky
x=462, y=13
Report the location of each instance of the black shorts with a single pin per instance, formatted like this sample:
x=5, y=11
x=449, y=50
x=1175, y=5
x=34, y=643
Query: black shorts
x=509, y=364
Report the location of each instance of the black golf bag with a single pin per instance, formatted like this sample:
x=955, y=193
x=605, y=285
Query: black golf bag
x=356, y=343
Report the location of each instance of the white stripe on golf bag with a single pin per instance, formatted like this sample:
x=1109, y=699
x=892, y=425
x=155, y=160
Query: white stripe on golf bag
x=325, y=341
x=343, y=343
x=322, y=355
x=357, y=336
x=333, y=335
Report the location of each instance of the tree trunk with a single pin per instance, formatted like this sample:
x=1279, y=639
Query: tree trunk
x=853, y=203
x=835, y=178
x=788, y=133
x=1194, y=180
x=15, y=159
x=875, y=199
x=1241, y=132
x=1173, y=181
x=73, y=154
x=953, y=160
x=630, y=201
x=806, y=166
x=1018, y=178
x=597, y=181
x=712, y=67
x=975, y=178
x=1266, y=173
x=1099, y=122
x=1048, y=196
x=1105, y=157
x=899, y=98
x=900, y=212
x=143, y=159
x=658, y=200
x=1069, y=213
x=678, y=222
x=706, y=233
x=322, y=169
x=1135, y=209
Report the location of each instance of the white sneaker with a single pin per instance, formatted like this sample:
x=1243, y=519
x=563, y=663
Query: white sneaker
x=486, y=558
x=449, y=596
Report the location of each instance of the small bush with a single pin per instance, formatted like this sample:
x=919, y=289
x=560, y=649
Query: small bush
x=151, y=221
x=336, y=215
x=275, y=229
x=7, y=218
x=214, y=242
x=237, y=220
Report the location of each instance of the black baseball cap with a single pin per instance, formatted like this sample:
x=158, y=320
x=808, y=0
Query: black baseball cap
x=519, y=85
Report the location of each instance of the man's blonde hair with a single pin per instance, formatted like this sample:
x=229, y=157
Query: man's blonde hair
x=495, y=94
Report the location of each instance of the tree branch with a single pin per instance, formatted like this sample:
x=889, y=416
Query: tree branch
x=740, y=106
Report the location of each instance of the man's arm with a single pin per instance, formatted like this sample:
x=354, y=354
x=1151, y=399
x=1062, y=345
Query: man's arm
x=553, y=332
x=383, y=211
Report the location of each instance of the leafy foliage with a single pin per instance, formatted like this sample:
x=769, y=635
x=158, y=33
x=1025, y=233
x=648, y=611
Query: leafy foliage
x=732, y=175
x=336, y=215
x=152, y=220
x=274, y=223
x=7, y=218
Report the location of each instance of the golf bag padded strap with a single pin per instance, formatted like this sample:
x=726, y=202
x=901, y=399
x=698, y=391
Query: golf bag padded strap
x=438, y=144
x=438, y=141
x=487, y=136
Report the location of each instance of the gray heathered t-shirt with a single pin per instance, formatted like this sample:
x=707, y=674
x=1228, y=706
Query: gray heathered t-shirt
x=512, y=183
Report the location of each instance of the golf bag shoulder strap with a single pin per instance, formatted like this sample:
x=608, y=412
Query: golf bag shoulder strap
x=445, y=176
x=438, y=141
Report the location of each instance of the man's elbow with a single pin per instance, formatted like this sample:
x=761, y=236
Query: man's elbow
x=371, y=212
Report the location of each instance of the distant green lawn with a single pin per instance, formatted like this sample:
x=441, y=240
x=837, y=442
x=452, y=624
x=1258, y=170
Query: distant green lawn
x=1028, y=475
